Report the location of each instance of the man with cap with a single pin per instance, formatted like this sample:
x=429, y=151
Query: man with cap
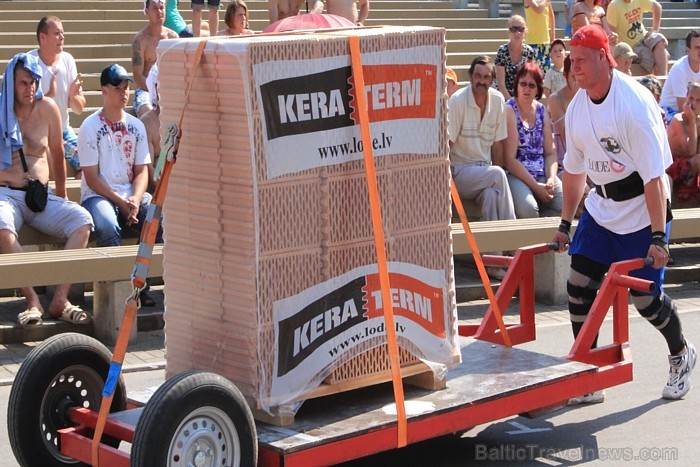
x=114, y=156
x=624, y=56
x=33, y=124
x=616, y=137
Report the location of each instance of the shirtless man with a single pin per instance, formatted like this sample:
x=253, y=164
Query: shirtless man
x=683, y=139
x=39, y=123
x=280, y=9
x=348, y=9
x=144, y=52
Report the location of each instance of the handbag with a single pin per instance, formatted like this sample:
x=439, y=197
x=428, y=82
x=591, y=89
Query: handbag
x=37, y=193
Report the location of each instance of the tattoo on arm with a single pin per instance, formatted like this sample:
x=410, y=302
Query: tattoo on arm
x=136, y=57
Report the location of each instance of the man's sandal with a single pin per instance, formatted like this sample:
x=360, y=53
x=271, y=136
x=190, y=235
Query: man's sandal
x=29, y=318
x=75, y=315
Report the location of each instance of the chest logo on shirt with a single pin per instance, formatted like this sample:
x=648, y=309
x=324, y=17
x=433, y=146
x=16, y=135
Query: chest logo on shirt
x=612, y=147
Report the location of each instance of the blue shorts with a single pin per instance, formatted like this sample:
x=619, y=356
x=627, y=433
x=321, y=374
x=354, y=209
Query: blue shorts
x=141, y=98
x=603, y=246
x=187, y=32
x=212, y=4
x=70, y=147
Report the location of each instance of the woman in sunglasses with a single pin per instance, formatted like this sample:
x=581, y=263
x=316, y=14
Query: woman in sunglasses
x=512, y=55
x=530, y=158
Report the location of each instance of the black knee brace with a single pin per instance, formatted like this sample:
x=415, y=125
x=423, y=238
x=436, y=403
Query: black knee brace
x=659, y=311
x=662, y=313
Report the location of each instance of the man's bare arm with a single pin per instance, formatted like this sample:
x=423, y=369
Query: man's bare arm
x=76, y=100
x=656, y=11
x=57, y=157
x=364, y=12
x=272, y=10
x=137, y=63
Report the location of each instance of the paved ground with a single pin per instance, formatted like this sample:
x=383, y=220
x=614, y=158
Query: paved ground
x=148, y=350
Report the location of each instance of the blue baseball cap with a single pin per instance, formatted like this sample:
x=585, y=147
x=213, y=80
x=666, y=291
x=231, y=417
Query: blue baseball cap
x=114, y=75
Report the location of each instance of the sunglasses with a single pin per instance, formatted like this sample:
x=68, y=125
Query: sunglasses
x=523, y=84
x=517, y=29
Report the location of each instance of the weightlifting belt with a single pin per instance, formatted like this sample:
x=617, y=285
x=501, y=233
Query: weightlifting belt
x=622, y=190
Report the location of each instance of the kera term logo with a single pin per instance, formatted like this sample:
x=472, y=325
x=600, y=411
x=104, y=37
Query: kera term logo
x=326, y=100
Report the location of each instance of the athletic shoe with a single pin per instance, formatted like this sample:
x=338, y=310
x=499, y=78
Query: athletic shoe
x=682, y=364
x=590, y=398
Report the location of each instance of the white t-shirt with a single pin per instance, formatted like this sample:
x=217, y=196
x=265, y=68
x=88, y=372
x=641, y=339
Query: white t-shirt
x=676, y=85
x=115, y=152
x=613, y=139
x=67, y=72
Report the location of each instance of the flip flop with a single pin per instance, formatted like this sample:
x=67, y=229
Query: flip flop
x=75, y=315
x=29, y=318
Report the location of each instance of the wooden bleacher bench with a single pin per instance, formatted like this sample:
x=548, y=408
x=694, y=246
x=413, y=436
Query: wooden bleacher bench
x=108, y=268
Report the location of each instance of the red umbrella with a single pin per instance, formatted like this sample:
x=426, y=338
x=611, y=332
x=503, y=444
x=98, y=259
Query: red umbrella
x=310, y=21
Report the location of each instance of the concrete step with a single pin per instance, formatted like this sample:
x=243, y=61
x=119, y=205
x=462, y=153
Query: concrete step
x=109, y=52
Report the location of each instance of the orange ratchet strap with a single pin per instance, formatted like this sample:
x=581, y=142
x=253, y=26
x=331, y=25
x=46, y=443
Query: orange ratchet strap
x=359, y=80
x=479, y=263
x=140, y=272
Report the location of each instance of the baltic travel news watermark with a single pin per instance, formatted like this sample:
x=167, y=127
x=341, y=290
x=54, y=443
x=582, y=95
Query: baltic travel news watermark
x=531, y=452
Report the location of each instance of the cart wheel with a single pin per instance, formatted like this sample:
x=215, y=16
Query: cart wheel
x=195, y=418
x=67, y=370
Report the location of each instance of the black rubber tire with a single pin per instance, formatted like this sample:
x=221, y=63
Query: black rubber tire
x=195, y=414
x=66, y=370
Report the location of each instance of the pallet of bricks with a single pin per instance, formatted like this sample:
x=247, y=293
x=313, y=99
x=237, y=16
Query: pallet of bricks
x=271, y=275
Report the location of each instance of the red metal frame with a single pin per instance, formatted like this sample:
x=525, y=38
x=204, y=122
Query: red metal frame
x=614, y=364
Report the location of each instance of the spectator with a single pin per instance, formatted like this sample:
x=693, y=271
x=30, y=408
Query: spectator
x=452, y=84
x=625, y=19
x=151, y=121
x=113, y=150
x=626, y=215
x=197, y=7
x=558, y=103
x=175, y=21
x=280, y=9
x=683, y=139
x=60, y=81
x=512, y=55
x=530, y=157
x=568, y=12
x=591, y=12
x=31, y=129
x=348, y=9
x=539, y=15
x=144, y=52
x=477, y=128
x=684, y=71
x=554, y=78
x=624, y=56
x=236, y=19
x=654, y=86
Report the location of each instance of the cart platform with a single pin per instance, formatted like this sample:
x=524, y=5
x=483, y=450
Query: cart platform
x=488, y=373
